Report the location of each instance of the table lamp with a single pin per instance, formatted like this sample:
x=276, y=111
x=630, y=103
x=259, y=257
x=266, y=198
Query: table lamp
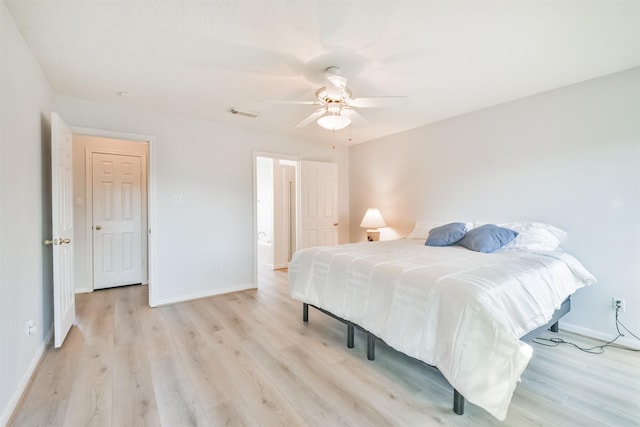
x=373, y=220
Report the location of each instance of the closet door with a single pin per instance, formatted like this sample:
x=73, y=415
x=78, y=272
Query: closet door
x=117, y=220
x=318, y=223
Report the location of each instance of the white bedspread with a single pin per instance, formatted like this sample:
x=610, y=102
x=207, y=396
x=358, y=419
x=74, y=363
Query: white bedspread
x=458, y=310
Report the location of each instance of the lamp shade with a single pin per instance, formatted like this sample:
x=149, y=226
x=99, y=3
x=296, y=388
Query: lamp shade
x=372, y=219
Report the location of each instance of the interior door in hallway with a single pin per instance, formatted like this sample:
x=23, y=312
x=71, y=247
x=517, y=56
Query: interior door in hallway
x=118, y=245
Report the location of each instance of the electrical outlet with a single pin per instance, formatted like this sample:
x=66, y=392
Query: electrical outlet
x=31, y=327
x=619, y=304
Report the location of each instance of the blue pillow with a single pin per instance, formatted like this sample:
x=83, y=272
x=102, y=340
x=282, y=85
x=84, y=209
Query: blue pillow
x=487, y=238
x=447, y=234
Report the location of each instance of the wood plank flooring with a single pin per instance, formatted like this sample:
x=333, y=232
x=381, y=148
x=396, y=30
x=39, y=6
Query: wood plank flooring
x=247, y=359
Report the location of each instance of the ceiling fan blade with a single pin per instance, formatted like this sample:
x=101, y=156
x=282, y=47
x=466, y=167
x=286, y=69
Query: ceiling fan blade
x=375, y=101
x=310, y=118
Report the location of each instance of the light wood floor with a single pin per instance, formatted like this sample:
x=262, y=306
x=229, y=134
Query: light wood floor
x=248, y=359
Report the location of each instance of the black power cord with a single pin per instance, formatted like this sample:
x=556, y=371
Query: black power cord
x=599, y=349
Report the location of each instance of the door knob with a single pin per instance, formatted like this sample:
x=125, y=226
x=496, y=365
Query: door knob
x=98, y=227
x=65, y=241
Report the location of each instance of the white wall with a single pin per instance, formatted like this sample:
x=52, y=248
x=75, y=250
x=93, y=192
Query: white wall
x=211, y=166
x=25, y=204
x=569, y=157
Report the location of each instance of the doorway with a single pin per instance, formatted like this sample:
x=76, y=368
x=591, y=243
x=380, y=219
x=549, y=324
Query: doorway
x=91, y=146
x=275, y=217
x=295, y=206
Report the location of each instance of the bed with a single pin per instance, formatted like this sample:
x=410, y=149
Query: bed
x=462, y=311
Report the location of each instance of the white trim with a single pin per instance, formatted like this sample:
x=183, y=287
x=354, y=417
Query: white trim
x=591, y=333
x=207, y=294
x=151, y=195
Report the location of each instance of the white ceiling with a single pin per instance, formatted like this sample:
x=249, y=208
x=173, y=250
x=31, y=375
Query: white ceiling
x=199, y=58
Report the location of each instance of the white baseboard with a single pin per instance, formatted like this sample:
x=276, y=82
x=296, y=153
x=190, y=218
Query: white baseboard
x=622, y=341
x=215, y=292
x=24, y=381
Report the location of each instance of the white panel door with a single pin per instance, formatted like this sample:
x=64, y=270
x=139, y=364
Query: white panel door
x=64, y=308
x=117, y=220
x=318, y=204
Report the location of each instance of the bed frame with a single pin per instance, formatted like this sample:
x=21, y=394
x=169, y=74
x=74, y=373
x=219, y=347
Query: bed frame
x=458, y=399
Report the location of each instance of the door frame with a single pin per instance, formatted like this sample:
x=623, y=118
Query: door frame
x=277, y=156
x=89, y=152
x=151, y=197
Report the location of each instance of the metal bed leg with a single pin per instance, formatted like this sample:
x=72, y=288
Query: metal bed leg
x=554, y=327
x=305, y=312
x=350, y=334
x=458, y=402
x=371, y=346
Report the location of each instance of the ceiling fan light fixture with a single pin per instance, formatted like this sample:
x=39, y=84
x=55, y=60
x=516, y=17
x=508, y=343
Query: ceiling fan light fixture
x=333, y=122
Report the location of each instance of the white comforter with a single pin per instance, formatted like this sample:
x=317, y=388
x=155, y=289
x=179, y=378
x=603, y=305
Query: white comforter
x=458, y=310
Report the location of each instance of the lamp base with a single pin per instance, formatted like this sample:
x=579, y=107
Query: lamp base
x=373, y=235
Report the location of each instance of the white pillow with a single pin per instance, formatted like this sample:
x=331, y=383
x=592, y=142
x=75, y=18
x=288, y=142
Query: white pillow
x=535, y=236
x=422, y=227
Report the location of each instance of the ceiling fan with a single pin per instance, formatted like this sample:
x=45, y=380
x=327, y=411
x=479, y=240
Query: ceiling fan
x=337, y=104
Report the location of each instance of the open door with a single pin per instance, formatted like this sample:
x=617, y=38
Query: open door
x=64, y=308
x=318, y=221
